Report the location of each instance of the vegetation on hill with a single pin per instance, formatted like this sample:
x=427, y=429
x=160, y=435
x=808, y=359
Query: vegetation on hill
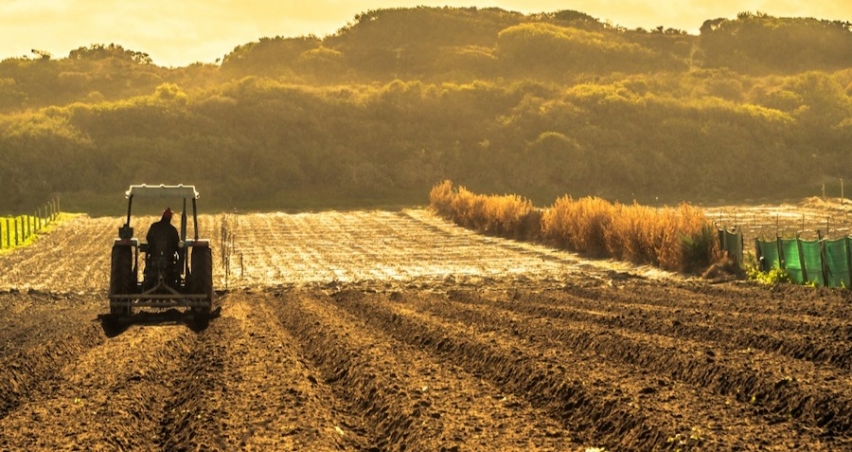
x=399, y=99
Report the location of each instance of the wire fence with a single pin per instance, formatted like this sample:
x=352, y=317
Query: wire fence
x=16, y=230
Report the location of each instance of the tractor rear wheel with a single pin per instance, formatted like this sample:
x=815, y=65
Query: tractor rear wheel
x=121, y=278
x=202, y=280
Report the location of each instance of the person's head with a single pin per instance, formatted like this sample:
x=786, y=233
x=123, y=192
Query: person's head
x=167, y=214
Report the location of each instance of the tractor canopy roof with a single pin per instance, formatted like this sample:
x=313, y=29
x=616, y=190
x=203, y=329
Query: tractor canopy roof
x=162, y=191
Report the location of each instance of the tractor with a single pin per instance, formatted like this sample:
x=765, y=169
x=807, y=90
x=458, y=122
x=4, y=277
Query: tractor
x=183, y=279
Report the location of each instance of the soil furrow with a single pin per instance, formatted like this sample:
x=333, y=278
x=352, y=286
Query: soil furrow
x=823, y=341
x=37, y=358
x=773, y=385
x=714, y=308
x=246, y=389
x=32, y=316
x=342, y=365
x=112, y=396
x=191, y=417
x=413, y=402
x=616, y=407
x=785, y=300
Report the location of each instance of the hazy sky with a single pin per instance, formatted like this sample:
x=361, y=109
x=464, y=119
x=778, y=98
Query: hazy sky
x=180, y=32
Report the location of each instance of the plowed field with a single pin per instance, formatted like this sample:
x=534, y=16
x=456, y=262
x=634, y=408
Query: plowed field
x=373, y=331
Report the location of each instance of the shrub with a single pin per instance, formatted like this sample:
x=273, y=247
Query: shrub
x=510, y=216
x=771, y=278
x=675, y=239
x=579, y=225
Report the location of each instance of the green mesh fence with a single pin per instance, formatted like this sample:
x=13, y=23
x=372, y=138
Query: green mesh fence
x=732, y=243
x=792, y=263
x=812, y=258
x=824, y=262
x=769, y=256
x=837, y=262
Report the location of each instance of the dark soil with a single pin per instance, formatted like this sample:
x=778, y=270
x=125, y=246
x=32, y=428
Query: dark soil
x=565, y=355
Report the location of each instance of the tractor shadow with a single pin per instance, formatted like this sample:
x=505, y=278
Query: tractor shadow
x=114, y=326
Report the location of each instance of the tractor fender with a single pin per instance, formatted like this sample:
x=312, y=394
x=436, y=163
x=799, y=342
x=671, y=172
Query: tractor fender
x=200, y=243
x=134, y=242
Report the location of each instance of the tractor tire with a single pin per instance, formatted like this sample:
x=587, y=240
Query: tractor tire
x=202, y=280
x=121, y=278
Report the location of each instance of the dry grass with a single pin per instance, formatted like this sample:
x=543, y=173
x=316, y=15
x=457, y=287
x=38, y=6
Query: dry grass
x=676, y=239
x=509, y=216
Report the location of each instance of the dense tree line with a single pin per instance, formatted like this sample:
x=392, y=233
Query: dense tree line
x=540, y=105
x=761, y=43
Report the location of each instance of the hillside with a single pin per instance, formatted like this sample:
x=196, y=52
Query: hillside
x=399, y=99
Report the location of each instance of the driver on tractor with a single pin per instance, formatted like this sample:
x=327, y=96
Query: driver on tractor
x=162, y=256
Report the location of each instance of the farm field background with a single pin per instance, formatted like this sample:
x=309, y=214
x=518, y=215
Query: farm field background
x=832, y=217
x=392, y=330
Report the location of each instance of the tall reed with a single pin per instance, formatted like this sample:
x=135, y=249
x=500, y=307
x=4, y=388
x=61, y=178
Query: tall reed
x=676, y=239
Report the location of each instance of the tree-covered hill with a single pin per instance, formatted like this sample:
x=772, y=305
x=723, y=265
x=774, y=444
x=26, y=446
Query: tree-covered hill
x=399, y=99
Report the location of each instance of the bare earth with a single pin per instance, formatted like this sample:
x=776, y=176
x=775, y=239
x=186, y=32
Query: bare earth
x=373, y=331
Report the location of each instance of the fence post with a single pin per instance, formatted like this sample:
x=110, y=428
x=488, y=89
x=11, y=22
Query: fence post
x=846, y=242
x=8, y=234
x=16, y=231
x=761, y=261
x=823, y=260
x=802, y=260
x=742, y=247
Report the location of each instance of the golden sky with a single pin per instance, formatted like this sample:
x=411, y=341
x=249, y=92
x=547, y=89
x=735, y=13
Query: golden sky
x=180, y=32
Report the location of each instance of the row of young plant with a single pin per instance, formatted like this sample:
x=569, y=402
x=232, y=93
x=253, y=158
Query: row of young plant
x=18, y=230
x=678, y=239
